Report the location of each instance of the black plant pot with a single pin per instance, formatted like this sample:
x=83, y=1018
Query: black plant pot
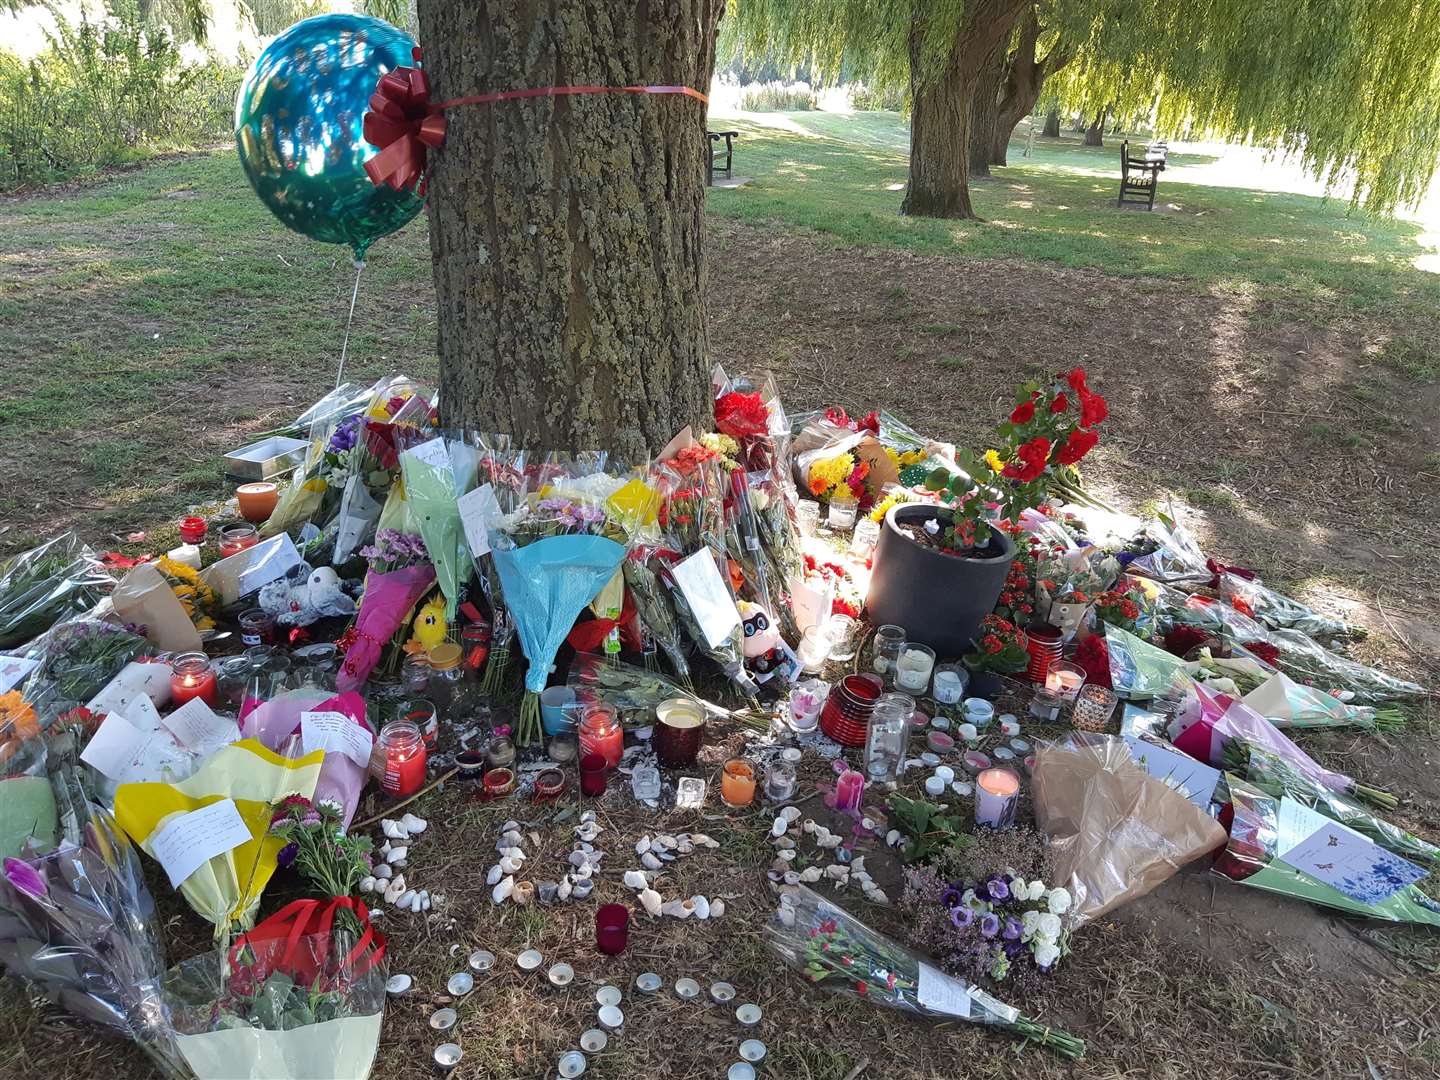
x=939, y=599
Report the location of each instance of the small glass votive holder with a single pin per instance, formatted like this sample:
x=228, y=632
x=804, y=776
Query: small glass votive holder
x=737, y=783
x=592, y=775
x=842, y=629
x=807, y=698
x=889, y=640
x=843, y=509
x=864, y=538
x=780, y=782
x=948, y=684
x=612, y=928
x=913, y=668
x=1093, y=708
x=236, y=538
x=814, y=648
x=1064, y=679
x=807, y=517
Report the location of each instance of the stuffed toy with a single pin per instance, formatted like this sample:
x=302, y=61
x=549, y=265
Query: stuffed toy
x=304, y=595
x=764, y=650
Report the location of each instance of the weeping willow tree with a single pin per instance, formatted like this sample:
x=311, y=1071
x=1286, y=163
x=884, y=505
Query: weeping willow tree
x=1352, y=87
x=1041, y=43
x=938, y=48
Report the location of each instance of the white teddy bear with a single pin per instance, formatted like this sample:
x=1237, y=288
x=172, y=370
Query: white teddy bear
x=303, y=595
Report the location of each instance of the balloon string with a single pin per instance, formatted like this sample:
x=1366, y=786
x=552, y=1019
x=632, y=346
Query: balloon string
x=345, y=342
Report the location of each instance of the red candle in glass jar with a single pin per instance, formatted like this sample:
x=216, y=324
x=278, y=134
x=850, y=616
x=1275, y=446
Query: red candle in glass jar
x=601, y=733
x=592, y=775
x=191, y=677
x=612, y=928
x=193, y=530
x=399, y=759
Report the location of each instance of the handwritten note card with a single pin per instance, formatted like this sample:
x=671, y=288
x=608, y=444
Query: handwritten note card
x=13, y=669
x=197, y=727
x=336, y=733
x=189, y=841
x=709, y=597
x=1352, y=864
x=476, y=509
x=115, y=748
x=941, y=993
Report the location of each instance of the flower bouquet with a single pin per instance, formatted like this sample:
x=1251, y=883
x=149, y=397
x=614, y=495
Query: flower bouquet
x=553, y=557
x=79, y=923
x=1139, y=669
x=301, y=996
x=280, y=724
x=41, y=586
x=317, y=847
x=1174, y=559
x=197, y=599
x=400, y=574
x=76, y=659
x=1277, y=611
x=1283, y=846
x=988, y=930
x=831, y=948
x=1288, y=704
x=643, y=567
x=1308, y=662
x=1275, y=776
x=1236, y=674
x=436, y=473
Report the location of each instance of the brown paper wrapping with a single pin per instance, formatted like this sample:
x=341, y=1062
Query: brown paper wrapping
x=143, y=597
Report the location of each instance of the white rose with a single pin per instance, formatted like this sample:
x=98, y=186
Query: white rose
x=1037, y=890
x=1029, y=923
x=1020, y=889
x=1048, y=926
x=968, y=899
x=1059, y=901
x=1046, y=954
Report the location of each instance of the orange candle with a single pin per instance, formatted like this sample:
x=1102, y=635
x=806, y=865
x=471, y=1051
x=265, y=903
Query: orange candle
x=257, y=501
x=737, y=783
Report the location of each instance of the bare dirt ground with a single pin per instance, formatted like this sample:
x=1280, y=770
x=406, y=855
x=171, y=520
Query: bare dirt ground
x=1286, y=443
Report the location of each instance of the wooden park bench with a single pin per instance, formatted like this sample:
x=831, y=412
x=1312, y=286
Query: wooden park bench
x=714, y=148
x=1141, y=176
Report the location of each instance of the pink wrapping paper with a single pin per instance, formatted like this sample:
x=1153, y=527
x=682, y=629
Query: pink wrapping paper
x=388, y=599
x=276, y=724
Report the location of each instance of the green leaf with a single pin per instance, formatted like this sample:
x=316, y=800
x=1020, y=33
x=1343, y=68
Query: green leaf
x=937, y=478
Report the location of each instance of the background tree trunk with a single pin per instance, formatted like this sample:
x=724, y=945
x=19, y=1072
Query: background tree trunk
x=1025, y=76
x=1052, y=124
x=940, y=110
x=567, y=233
x=985, y=114
x=1094, y=134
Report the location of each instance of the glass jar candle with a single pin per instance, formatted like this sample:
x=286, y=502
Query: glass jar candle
x=257, y=501
x=841, y=629
x=415, y=674
x=612, y=928
x=679, y=730
x=193, y=530
x=737, y=783
x=399, y=759
x=601, y=733
x=257, y=627
x=885, y=741
x=190, y=678
x=1093, y=706
x=423, y=715
x=446, y=674
x=889, y=640
x=807, y=698
x=1064, y=679
x=236, y=538
x=997, y=793
x=497, y=783
x=948, y=686
x=549, y=784
x=807, y=517
x=230, y=681
x=500, y=753
x=843, y=508
x=913, y=667
x=864, y=538
x=814, y=648
x=780, y=782
x=592, y=775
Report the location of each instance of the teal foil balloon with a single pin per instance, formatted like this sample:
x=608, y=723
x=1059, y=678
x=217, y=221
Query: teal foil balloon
x=297, y=127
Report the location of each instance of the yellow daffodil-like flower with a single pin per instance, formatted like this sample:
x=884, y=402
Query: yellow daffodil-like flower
x=993, y=459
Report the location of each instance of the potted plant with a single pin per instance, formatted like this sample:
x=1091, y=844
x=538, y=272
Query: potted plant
x=940, y=567
x=1001, y=648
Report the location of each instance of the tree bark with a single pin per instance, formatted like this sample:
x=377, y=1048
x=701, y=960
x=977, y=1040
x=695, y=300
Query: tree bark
x=940, y=94
x=1025, y=76
x=985, y=113
x=1094, y=134
x=567, y=233
x=1052, y=124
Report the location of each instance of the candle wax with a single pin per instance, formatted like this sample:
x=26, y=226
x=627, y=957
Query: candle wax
x=849, y=791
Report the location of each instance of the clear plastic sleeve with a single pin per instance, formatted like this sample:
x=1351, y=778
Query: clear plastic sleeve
x=41, y=586
x=1308, y=662
x=1278, y=611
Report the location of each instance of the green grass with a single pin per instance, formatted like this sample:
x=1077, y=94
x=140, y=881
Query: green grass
x=844, y=176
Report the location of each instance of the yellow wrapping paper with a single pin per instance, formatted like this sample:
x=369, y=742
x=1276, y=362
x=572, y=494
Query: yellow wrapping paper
x=226, y=889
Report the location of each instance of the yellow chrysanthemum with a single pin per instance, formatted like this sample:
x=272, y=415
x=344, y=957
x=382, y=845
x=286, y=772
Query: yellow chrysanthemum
x=993, y=459
x=827, y=474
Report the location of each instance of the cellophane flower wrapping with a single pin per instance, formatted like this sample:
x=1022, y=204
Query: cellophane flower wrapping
x=1115, y=832
x=308, y=1010
x=436, y=473
x=1276, y=610
x=1276, y=777
x=277, y=724
x=77, y=659
x=79, y=923
x=387, y=600
x=1260, y=835
x=596, y=678
x=1176, y=561
x=1309, y=662
x=830, y=948
x=1288, y=704
x=653, y=604
x=39, y=587
x=1139, y=669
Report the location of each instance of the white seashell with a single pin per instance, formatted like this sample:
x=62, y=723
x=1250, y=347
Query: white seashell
x=642, y=845
x=701, y=907
x=791, y=814
x=831, y=841
x=579, y=858
x=703, y=840
x=786, y=855
x=649, y=861
x=397, y=853
x=414, y=824
x=784, y=843
x=779, y=866
x=395, y=889
x=587, y=832
x=393, y=830
x=717, y=908
x=494, y=875
x=810, y=825
x=857, y=864
x=405, y=898
x=581, y=889
x=425, y=903
x=836, y=872
x=778, y=827
x=383, y=872
x=563, y=892
x=811, y=874
x=512, y=850
x=636, y=879
x=650, y=901
x=786, y=916
x=514, y=826
x=685, y=846
x=893, y=837
x=502, y=891
x=367, y=884
x=385, y=849
x=867, y=823
x=583, y=873
x=399, y=864
x=678, y=909
x=511, y=865
x=587, y=816
x=509, y=838
x=862, y=879
x=792, y=878
x=666, y=841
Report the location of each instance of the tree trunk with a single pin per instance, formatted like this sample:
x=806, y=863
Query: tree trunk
x=1024, y=77
x=1052, y=124
x=1094, y=134
x=985, y=114
x=567, y=233
x=940, y=94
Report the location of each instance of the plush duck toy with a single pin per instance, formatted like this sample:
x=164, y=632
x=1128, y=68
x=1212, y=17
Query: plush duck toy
x=430, y=625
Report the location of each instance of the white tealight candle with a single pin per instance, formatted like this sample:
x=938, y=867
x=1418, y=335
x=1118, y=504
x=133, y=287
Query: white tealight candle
x=948, y=687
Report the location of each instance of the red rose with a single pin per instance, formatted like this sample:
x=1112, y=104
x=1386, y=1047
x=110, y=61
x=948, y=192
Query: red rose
x=1024, y=413
x=1093, y=409
x=870, y=423
x=1076, y=446
x=1061, y=403
x=1076, y=379
x=741, y=416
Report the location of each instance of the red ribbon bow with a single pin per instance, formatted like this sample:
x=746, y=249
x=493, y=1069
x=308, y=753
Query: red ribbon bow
x=402, y=122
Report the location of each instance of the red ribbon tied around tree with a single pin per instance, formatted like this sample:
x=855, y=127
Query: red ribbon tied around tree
x=402, y=121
